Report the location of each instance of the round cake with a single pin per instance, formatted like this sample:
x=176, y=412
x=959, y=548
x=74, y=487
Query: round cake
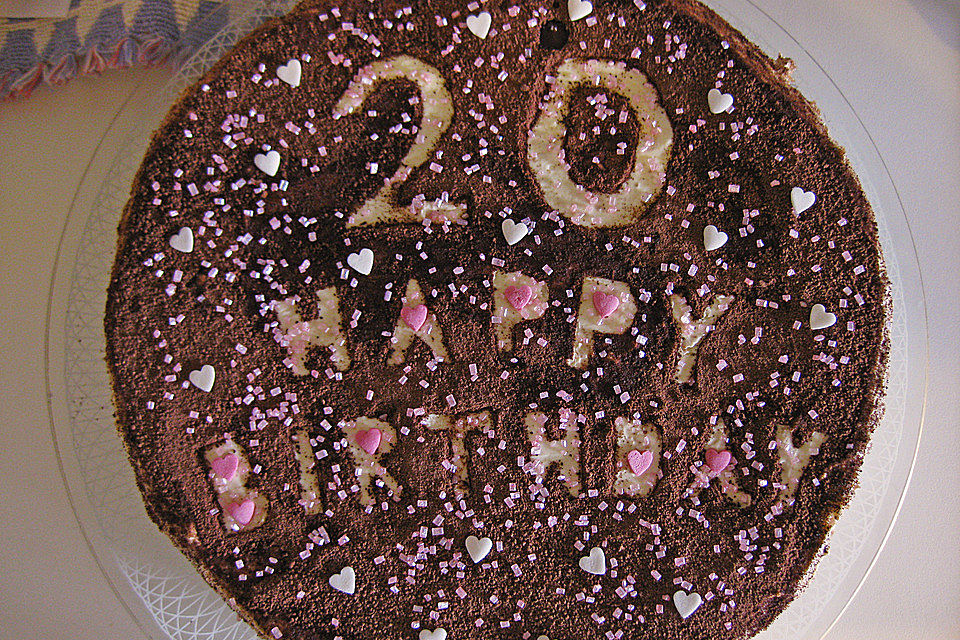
x=460, y=319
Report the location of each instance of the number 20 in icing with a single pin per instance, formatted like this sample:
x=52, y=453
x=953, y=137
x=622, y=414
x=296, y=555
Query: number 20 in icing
x=545, y=153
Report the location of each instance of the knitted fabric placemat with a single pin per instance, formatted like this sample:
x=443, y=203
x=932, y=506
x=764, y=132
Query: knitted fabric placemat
x=105, y=34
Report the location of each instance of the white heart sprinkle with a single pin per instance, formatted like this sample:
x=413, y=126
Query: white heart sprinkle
x=579, y=9
x=719, y=102
x=820, y=318
x=595, y=563
x=361, y=262
x=713, y=238
x=478, y=548
x=436, y=634
x=514, y=232
x=479, y=24
x=269, y=163
x=203, y=378
x=290, y=72
x=183, y=241
x=686, y=603
x=345, y=581
x=802, y=200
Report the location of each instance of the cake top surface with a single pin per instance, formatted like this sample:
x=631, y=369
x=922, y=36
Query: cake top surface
x=495, y=320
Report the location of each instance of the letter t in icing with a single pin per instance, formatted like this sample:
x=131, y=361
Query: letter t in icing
x=457, y=428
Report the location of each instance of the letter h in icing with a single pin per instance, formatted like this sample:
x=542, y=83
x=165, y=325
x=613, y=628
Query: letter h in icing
x=564, y=452
x=325, y=331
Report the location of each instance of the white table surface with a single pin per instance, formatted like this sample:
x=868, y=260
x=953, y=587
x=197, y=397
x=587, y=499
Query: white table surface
x=898, y=62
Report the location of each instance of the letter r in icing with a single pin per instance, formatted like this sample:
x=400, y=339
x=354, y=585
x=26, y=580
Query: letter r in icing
x=368, y=440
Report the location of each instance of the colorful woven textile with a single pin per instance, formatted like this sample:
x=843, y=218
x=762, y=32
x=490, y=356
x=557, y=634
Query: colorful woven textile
x=104, y=34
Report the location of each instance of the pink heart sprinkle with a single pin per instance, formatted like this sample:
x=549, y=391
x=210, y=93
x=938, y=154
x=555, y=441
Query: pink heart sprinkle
x=717, y=460
x=605, y=303
x=242, y=512
x=639, y=461
x=414, y=316
x=518, y=297
x=369, y=440
x=225, y=466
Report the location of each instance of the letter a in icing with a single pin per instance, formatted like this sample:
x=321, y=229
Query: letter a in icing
x=564, y=452
x=723, y=471
x=416, y=321
x=606, y=306
x=325, y=331
x=516, y=298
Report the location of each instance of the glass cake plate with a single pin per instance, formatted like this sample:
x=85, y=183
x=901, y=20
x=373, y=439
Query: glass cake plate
x=163, y=592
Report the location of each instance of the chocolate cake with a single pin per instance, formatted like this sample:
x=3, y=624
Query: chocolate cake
x=459, y=319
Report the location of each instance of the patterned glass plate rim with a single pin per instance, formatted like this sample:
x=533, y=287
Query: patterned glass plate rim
x=162, y=590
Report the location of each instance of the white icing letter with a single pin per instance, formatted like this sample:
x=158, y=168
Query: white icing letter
x=416, y=321
x=368, y=440
x=606, y=306
x=634, y=436
x=545, y=153
x=564, y=452
x=325, y=331
x=309, y=484
x=457, y=429
x=241, y=508
x=516, y=298
x=718, y=463
x=437, y=115
x=794, y=460
x=693, y=332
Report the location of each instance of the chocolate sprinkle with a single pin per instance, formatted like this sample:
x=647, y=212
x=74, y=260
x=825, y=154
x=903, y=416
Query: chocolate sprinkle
x=554, y=35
